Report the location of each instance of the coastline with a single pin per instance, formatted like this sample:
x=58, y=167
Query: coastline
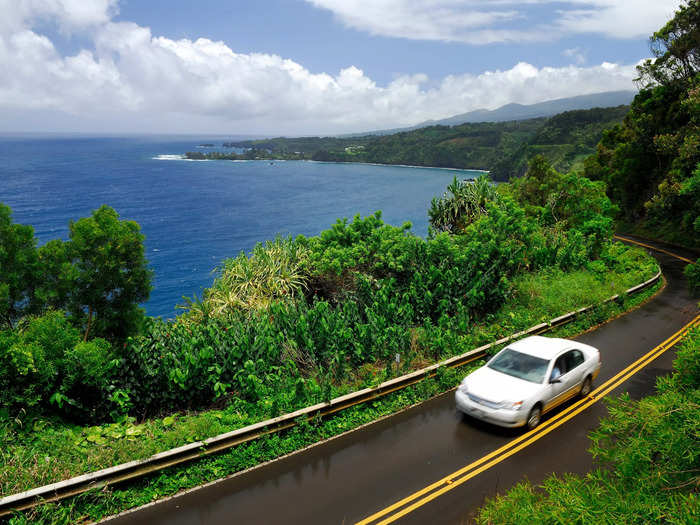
x=182, y=157
x=396, y=165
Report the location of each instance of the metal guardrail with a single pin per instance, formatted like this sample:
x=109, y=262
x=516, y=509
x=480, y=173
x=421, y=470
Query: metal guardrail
x=199, y=449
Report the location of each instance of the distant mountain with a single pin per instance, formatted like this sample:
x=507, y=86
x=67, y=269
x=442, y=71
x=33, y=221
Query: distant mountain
x=511, y=112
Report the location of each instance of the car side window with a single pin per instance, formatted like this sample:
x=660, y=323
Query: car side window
x=559, y=368
x=572, y=359
x=577, y=358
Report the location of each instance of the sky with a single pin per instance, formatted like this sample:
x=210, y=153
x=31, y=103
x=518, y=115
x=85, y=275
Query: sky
x=300, y=67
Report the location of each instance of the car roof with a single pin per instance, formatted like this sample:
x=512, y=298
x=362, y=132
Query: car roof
x=543, y=347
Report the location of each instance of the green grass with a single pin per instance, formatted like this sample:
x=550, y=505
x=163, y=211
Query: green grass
x=44, y=451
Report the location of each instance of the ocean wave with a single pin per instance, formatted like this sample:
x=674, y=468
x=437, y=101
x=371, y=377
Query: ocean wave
x=177, y=157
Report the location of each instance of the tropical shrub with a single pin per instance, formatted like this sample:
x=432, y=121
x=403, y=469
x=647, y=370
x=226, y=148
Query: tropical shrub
x=462, y=204
x=273, y=271
x=363, y=246
x=45, y=365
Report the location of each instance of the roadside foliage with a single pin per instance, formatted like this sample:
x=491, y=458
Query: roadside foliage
x=646, y=451
x=297, y=318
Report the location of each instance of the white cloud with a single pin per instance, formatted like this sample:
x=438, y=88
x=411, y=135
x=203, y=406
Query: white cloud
x=69, y=15
x=131, y=80
x=577, y=54
x=617, y=18
x=490, y=21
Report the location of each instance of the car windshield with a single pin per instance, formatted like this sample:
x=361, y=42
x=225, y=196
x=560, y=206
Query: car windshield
x=522, y=366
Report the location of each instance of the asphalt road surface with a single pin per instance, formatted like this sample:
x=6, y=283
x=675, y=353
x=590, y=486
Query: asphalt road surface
x=418, y=458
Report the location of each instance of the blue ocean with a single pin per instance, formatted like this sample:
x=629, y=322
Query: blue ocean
x=195, y=214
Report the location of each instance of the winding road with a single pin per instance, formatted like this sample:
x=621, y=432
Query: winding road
x=430, y=464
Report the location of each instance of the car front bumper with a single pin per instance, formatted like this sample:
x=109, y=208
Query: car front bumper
x=498, y=416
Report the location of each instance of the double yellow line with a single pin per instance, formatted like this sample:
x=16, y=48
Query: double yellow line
x=656, y=249
x=450, y=482
x=457, y=478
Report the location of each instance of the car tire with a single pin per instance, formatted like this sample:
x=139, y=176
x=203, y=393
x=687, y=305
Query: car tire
x=586, y=386
x=534, y=417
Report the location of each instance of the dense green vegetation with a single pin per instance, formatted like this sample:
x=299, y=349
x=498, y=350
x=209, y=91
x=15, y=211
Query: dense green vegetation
x=53, y=300
x=302, y=314
x=647, y=454
x=295, y=322
x=503, y=148
x=651, y=162
x=74, y=449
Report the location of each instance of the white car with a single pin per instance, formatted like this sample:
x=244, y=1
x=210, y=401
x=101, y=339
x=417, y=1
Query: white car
x=527, y=379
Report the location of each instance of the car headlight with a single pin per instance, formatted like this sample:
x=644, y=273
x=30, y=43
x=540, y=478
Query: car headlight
x=512, y=405
x=463, y=387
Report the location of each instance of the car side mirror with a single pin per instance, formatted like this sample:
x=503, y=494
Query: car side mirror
x=554, y=380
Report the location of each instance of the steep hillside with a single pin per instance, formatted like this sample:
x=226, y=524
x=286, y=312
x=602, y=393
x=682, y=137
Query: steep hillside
x=500, y=147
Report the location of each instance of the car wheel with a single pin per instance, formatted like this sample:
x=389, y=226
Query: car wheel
x=533, y=418
x=586, y=387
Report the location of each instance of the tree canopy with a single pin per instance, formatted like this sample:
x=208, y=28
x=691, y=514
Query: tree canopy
x=18, y=268
x=676, y=48
x=99, y=276
x=111, y=274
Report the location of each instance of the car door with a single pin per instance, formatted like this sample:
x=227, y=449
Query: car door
x=572, y=375
x=556, y=385
x=575, y=360
x=569, y=380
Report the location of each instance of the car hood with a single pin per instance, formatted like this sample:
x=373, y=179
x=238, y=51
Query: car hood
x=494, y=386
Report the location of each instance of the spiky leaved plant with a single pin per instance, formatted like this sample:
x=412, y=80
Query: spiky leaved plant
x=273, y=271
x=462, y=204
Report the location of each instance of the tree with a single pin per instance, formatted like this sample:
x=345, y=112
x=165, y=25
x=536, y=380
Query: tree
x=110, y=275
x=540, y=183
x=676, y=48
x=558, y=197
x=58, y=275
x=18, y=268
